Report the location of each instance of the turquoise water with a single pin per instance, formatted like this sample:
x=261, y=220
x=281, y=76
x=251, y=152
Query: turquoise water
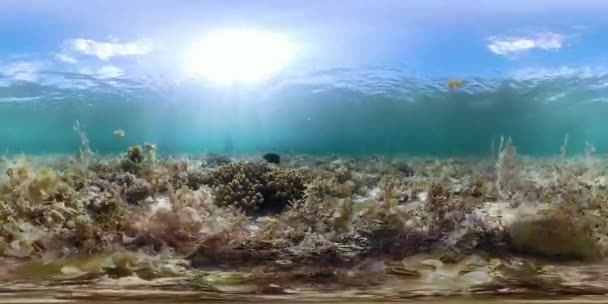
x=365, y=111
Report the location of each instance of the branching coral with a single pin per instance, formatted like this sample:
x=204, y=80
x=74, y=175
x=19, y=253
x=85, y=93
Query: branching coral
x=256, y=186
x=240, y=184
x=281, y=188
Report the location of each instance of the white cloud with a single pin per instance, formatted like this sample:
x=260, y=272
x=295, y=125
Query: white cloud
x=65, y=58
x=107, y=50
x=505, y=46
x=23, y=71
x=539, y=73
x=109, y=71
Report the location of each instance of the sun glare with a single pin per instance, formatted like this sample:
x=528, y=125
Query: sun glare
x=231, y=57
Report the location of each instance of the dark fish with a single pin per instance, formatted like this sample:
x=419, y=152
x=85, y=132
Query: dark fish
x=272, y=158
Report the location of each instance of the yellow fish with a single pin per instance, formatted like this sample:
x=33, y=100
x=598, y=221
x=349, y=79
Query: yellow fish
x=454, y=84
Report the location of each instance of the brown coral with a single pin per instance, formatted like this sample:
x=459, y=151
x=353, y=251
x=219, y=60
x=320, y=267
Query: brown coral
x=135, y=154
x=282, y=187
x=256, y=186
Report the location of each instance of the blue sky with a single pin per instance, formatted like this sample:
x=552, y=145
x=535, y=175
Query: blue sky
x=430, y=38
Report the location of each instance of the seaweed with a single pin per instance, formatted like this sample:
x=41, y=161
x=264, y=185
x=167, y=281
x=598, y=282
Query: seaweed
x=84, y=149
x=507, y=170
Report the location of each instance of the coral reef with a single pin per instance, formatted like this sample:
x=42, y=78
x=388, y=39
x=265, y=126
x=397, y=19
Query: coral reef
x=239, y=184
x=310, y=213
x=255, y=186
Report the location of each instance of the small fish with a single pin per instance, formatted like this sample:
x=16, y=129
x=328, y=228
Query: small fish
x=454, y=84
x=119, y=134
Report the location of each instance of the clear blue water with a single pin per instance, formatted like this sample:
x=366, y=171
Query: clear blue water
x=364, y=111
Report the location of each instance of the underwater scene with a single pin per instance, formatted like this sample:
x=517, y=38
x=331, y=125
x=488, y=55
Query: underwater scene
x=320, y=151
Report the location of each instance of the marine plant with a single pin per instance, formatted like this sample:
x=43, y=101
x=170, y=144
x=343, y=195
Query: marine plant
x=84, y=148
x=507, y=170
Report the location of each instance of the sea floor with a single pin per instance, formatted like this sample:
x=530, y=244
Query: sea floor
x=141, y=227
x=171, y=291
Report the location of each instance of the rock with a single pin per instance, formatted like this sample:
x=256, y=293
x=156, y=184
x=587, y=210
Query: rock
x=553, y=233
x=137, y=192
x=272, y=289
x=442, y=278
x=432, y=263
x=476, y=278
x=540, y=229
x=475, y=261
x=403, y=271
